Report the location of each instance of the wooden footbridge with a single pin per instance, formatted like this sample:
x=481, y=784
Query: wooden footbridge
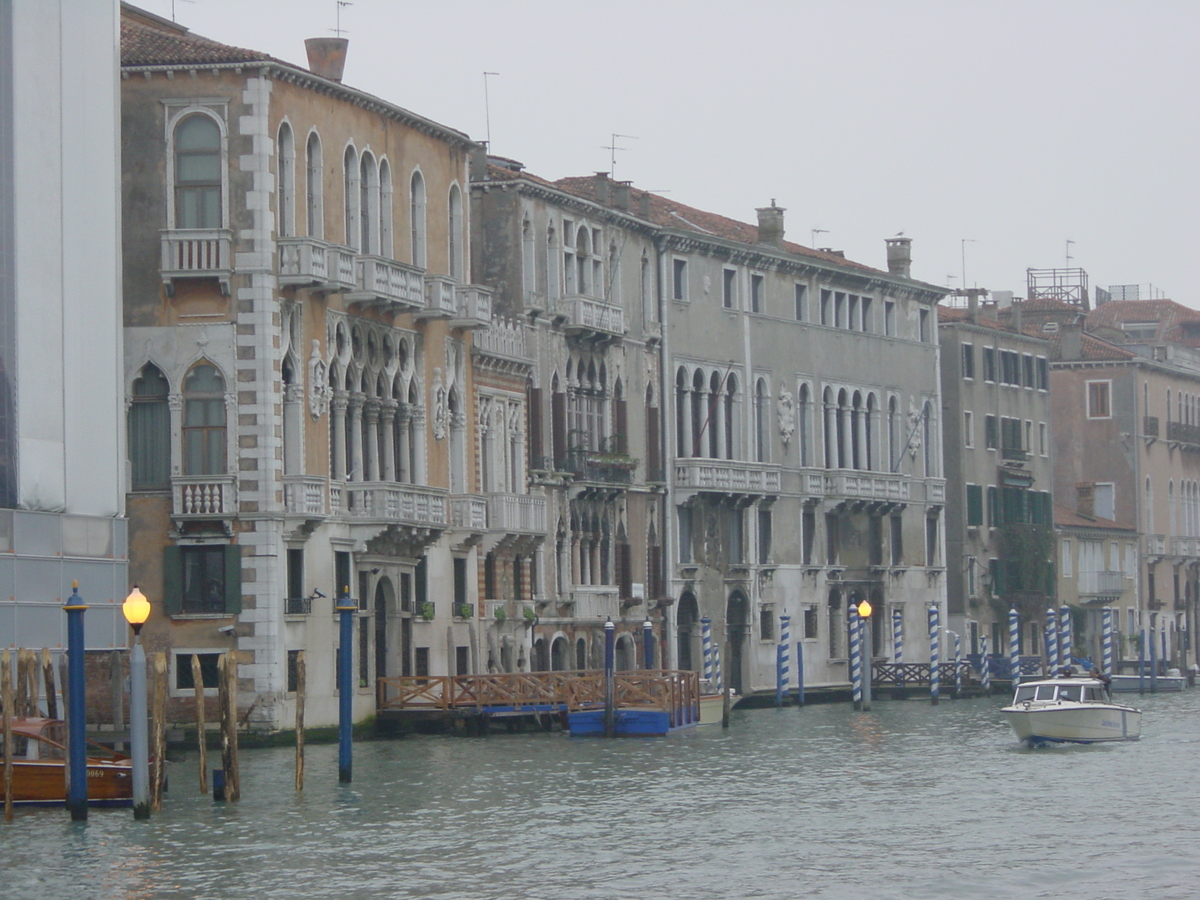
x=470, y=702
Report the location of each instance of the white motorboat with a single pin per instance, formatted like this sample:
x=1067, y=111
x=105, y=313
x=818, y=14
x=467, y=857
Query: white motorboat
x=1070, y=710
x=1163, y=684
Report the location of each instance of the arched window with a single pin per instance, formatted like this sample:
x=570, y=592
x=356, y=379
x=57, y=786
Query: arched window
x=870, y=460
x=198, y=173
x=804, y=424
x=416, y=208
x=455, y=246
x=313, y=188
x=731, y=420
x=351, y=197
x=150, y=431
x=286, y=172
x=582, y=263
x=1149, y=507
x=761, y=421
x=386, y=247
x=894, y=448
x=857, y=440
x=528, y=272
x=204, y=421
x=830, y=429
x=368, y=209
x=683, y=447
x=927, y=439
x=716, y=425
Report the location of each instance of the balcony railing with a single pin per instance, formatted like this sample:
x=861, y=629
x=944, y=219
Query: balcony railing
x=385, y=283
x=1101, y=584
x=439, y=296
x=1150, y=426
x=601, y=468
x=1014, y=454
x=410, y=504
x=505, y=337
x=197, y=253
x=469, y=513
x=472, y=306
x=1188, y=547
x=297, y=606
x=868, y=486
x=306, y=261
x=586, y=314
x=204, y=496
x=304, y=495
x=1184, y=434
x=517, y=513
x=1155, y=544
x=727, y=475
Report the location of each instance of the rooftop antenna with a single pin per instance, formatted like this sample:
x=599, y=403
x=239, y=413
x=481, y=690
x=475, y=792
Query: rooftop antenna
x=1068, y=254
x=173, y=19
x=338, y=16
x=965, y=241
x=613, y=148
x=487, y=109
x=815, y=232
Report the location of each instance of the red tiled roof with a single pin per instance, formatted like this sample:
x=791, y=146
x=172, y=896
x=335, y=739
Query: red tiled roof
x=143, y=44
x=1171, y=317
x=1070, y=518
x=672, y=214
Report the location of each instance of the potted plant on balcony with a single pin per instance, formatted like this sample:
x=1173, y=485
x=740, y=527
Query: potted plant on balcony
x=463, y=610
x=500, y=614
x=426, y=611
x=530, y=614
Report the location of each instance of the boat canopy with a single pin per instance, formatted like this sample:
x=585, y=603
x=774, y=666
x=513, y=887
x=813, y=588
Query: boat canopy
x=1087, y=692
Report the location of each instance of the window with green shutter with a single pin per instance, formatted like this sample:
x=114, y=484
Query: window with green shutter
x=993, y=506
x=974, y=505
x=202, y=579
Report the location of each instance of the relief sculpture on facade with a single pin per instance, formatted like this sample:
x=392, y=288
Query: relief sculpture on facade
x=319, y=391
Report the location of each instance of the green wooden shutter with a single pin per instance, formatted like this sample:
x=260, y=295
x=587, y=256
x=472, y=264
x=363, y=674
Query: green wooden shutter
x=233, y=579
x=993, y=495
x=974, y=504
x=172, y=580
x=997, y=577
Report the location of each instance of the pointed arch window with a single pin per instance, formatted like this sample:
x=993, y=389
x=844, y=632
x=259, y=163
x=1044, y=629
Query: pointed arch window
x=204, y=421
x=286, y=172
x=314, y=202
x=150, y=431
x=351, y=197
x=416, y=197
x=198, y=172
x=368, y=206
x=386, y=245
x=455, y=245
x=761, y=421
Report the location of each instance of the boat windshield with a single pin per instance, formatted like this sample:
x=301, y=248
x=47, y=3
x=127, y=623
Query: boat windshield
x=1069, y=692
x=1037, y=692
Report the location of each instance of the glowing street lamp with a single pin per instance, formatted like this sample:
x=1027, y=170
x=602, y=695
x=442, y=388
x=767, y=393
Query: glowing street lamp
x=136, y=610
x=864, y=614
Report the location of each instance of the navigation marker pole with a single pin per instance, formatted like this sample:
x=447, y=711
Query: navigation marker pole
x=1064, y=632
x=985, y=666
x=1107, y=646
x=897, y=636
x=934, y=627
x=1052, y=641
x=783, y=679
x=1014, y=646
x=855, y=657
x=707, y=647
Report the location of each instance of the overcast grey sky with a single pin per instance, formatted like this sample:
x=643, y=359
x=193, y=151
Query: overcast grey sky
x=1014, y=125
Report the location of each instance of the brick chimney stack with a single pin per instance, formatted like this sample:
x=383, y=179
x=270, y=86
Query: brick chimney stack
x=1085, y=499
x=602, y=183
x=770, y=225
x=899, y=256
x=327, y=56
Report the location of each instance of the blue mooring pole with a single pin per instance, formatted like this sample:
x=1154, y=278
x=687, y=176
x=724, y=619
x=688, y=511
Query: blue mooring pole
x=648, y=644
x=77, y=708
x=800, y=673
x=610, y=659
x=346, y=611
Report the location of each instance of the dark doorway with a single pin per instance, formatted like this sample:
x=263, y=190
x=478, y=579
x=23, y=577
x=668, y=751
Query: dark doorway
x=686, y=620
x=737, y=626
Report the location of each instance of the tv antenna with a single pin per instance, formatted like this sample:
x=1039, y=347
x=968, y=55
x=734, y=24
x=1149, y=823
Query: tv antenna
x=965, y=241
x=613, y=148
x=338, y=16
x=487, y=109
x=815, y=232
x=173, y=2
x=1068, y=253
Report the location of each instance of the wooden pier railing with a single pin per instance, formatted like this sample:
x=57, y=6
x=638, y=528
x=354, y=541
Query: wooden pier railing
x=675, y=691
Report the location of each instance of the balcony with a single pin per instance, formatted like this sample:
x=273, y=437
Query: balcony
x=392, y=503
x=599, y=468
x=386, y=284
x=726, y=476
x=308, y=262
x=869, y=487
x=439, y=298
x=468, y=513
x=1187, y=435
x=595, y=318
x=297, y=606
x=516, y=513
x=1101, y=586
x=1186, y=547
x=1155, y=545
x=1013, y=454
x=203, y=496
x=505, y=338
x=472, y=306
x=304, y=495
x=196, y=253
x=1150, y=426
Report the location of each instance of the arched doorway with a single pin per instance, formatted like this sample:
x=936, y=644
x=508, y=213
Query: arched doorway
x=687, y=617
x=737, y=626
x=626, y=655
x=384, y=600
x=581, y=661
x=541, y=656
x=559, y=654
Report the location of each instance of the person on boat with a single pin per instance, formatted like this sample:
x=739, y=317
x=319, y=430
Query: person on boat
x=1101, y=677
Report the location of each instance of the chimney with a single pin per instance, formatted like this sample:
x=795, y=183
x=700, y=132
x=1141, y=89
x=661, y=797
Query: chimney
x=1085, y=499
x=1071, y=343
x=973, y=307
x=644, y=205
x=770, y=225
x=622, y=193
x=601, y=184
x=327, y=56
x=479, y=162
x=899, y=256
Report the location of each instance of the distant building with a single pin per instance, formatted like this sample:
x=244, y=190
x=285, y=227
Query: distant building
x=62, y=484
x=999, y=519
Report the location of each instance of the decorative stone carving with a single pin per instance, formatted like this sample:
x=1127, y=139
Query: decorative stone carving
x=319, y=391
x=787, y=414
x=441, y=411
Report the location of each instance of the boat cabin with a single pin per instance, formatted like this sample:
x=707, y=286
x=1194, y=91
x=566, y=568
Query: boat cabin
x=1051, y=691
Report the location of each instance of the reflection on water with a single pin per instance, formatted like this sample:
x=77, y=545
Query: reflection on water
x=903, y=801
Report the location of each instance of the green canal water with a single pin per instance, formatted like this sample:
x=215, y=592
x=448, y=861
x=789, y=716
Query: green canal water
x=904, y=801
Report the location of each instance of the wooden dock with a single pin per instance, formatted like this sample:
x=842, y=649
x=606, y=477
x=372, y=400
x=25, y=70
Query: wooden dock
x=471, y=703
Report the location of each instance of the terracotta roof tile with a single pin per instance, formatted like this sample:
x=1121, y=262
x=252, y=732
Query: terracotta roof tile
x=1070, y=518
x=143, y=44
x=1176, y=323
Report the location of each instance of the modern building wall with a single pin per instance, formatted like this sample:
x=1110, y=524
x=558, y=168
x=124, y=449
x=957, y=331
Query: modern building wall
x=61, y=458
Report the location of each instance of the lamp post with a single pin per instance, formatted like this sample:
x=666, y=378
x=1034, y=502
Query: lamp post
x=136, y=610
x=76, y=718
x=610, y=637
x=864, y=617
x=648, y=643
x=346, y=610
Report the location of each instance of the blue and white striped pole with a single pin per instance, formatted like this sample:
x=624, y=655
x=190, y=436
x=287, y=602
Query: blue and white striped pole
x=934, y=661
x=1064, y=635
x=1107, y=646
x=957, y=662
x=897, y=636
x=855, y=657
x=799, y=673
x=784, y=679
x=720, y=678
x=985, y=666
x=706, y=645
x=1052, y=641
x=1014, y=645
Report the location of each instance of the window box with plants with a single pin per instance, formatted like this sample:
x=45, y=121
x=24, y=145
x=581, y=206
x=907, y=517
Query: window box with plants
x=426, y=611
x=463, y=610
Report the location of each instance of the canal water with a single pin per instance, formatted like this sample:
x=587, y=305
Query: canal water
x=904, y=801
